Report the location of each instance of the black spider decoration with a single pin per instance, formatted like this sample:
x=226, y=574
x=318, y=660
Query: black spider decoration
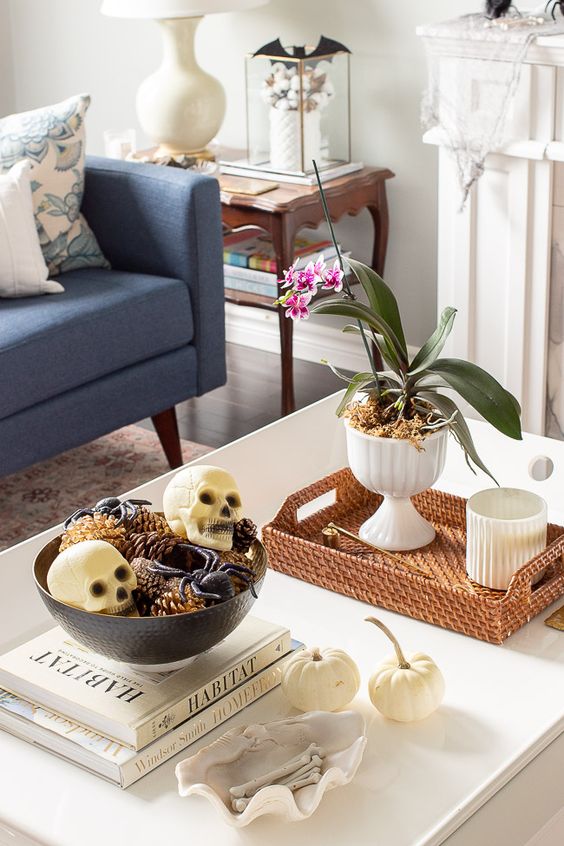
x=497, y=8
x=556, y=4
x=210, y=581
x=110, y=506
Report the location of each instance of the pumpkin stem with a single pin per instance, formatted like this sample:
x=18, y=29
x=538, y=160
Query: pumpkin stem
x=316, y=654
x=403, y=664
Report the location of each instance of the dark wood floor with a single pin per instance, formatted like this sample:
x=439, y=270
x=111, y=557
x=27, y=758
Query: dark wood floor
x=251, y=397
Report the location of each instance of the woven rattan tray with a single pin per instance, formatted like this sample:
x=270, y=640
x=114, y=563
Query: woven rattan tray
x=445, y=596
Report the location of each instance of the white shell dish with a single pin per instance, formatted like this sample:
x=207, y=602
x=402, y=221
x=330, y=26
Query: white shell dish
x=247, y=753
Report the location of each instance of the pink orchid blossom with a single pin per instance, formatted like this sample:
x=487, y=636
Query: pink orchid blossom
x=319, y=266
x=333, y=278
x=307, y=280
x=297, y=306
x=289, y=277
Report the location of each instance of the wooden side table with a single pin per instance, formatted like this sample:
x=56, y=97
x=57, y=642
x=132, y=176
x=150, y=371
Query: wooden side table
x=282, y=213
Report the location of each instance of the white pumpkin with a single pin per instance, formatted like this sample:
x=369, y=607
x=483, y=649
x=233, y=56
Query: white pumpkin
x=405, y=690
x=320, y=680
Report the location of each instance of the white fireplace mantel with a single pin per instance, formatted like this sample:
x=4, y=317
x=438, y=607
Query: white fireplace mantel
x=498, y=257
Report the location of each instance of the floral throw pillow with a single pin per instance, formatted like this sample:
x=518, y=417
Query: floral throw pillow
x=53, y=140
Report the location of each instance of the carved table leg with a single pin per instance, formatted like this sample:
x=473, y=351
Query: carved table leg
x=379, y=213
x=283, y=234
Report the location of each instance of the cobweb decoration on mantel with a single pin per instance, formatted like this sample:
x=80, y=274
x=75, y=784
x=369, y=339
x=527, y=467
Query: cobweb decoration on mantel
x=468, y=100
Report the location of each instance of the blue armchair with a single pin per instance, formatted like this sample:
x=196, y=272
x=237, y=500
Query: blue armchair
x=121, y=344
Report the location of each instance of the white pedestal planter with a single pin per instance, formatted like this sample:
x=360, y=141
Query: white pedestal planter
x=286, y=139
x=396, y=469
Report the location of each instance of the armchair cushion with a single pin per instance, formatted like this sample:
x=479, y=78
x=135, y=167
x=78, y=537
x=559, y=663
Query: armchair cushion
x=104, y=321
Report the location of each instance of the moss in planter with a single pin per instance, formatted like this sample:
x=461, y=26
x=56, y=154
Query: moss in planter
x=383, y=421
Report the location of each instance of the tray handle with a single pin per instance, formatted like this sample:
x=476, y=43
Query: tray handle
x=307, y=496
x=521, y=585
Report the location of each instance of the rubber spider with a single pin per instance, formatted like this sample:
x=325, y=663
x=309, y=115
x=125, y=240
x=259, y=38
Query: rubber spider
x=210, y=581
x=555, y=4
x=497, y=8
x=111, y=506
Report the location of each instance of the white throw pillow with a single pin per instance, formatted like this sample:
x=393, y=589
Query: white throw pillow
x=23, y=272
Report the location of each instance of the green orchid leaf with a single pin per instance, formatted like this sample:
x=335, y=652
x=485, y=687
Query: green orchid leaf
x=458, y=427
x=351, y=328
x=432, y=348
x=358, y=311
x=387, y=354
x=483, y=392
x=381, y=298
x=358, y=383
x=344, y=377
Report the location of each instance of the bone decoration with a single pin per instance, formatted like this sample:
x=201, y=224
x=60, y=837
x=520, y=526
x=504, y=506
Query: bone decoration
x=281, y=768
x=203, y=504
x=299, y=771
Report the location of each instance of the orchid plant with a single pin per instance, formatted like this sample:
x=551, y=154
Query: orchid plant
x=410, y=385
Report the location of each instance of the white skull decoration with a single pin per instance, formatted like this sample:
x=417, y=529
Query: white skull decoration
x=94, y=576
x=203, y=504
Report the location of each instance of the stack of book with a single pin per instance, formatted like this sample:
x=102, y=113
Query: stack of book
x=328, y=172
x=249, y=263
x=119, y=723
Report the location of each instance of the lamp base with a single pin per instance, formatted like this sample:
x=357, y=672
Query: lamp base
x=166, y=150
x=180, y=106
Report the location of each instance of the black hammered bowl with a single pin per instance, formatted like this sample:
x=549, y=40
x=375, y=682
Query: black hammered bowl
x=149, y=640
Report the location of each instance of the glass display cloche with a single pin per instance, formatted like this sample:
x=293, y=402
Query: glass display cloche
x=298, y=107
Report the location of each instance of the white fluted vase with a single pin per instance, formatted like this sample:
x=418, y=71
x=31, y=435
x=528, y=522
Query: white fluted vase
x=286, y=139
x=397, y=470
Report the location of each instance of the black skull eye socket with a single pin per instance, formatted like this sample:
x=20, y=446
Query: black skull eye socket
x=233, y=501
x=207, y=497
x=121, y=574
x=97, y=588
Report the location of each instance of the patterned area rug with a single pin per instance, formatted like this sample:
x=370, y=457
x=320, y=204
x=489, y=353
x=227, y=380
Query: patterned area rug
x=37, y=498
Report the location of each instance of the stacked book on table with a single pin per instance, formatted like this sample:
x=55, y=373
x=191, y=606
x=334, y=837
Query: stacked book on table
x=120, y=723
x=249, y=263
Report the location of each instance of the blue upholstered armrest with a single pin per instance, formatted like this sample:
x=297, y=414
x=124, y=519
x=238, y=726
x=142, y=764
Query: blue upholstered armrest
x=167, y=222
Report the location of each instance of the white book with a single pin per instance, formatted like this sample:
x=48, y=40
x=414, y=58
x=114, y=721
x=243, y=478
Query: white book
x=104, y=757
x=242, y=167
x=131, y=707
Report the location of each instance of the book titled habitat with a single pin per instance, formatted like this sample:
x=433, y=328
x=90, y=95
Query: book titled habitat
x=127, y=706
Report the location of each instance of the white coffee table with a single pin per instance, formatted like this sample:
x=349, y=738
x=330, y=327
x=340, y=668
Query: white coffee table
x=442, y=780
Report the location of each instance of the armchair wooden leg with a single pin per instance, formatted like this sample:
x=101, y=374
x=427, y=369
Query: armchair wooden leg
x=166, y=426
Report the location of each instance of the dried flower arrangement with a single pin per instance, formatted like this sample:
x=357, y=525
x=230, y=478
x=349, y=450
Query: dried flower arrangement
x=406, y=400
x=281, y=89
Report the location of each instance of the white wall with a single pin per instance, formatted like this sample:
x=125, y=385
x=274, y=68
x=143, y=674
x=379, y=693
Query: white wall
x=63, y=46
x=7, y=93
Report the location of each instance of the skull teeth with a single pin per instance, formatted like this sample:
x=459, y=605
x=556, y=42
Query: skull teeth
x=121, y=610
x=219, y=529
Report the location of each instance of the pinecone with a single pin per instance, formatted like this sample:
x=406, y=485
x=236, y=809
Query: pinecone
x=172, y=602
x=143, y=603
x=230, y=556
x=244, y=533
x=146, y=520
x=95, y=527
x=150, y=584
x=151, y=545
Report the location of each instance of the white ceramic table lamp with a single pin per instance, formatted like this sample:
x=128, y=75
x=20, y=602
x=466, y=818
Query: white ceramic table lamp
x=180, y=106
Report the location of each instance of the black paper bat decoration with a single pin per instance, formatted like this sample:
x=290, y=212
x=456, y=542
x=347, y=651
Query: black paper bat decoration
x=325, y=47
x=497, y=8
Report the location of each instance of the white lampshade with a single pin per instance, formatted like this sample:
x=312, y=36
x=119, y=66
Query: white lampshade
x=166, y=9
